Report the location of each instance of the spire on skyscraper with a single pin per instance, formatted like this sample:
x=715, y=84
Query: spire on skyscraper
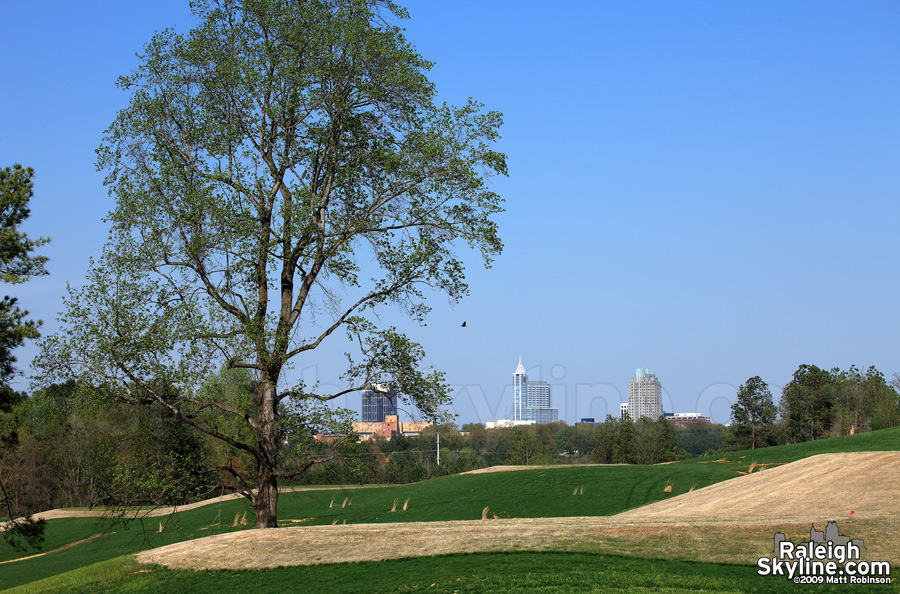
x=520, y=368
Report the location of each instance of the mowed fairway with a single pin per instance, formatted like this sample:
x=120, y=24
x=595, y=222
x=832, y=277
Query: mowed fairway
x=547, y=572
x=561, y=509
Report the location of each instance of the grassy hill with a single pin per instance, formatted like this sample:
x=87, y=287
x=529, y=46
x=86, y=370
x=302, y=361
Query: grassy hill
x=557, y=492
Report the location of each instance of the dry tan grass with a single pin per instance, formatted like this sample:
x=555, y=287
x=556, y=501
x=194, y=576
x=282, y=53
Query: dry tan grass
x=326, y=544
x=827, y=485
x=725, y=542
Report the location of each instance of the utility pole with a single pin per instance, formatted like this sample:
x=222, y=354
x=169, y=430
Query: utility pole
x=438, y=447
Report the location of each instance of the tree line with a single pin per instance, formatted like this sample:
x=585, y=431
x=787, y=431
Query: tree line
x=71, y=446
x=815, y=404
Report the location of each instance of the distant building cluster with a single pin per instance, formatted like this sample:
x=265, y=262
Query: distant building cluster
x=531, y=405
x=531, y=399
x=531, y=402
x=379, y=416
x=684, y=419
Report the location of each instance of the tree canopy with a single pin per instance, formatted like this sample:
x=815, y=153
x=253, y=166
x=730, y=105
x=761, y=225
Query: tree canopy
x=818, y=403
x=281, y=171
x=753, y=415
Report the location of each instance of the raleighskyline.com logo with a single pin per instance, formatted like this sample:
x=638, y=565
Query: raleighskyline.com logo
x=829, y=557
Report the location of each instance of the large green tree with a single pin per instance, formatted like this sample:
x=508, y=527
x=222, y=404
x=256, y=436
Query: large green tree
x=806, y=404
x=753, y=415
x=526, y=448
x=280, y=173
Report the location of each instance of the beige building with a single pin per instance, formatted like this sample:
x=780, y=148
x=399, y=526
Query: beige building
x=392, y=426
x=644, y=395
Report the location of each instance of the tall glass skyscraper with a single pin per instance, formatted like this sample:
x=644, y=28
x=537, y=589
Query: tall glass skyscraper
x=376, y=403
x=644, y=395
x=520, y=392
x=531, y=399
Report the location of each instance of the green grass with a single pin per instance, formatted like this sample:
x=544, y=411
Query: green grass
x=535, y=493
x=872, y=441
x=115, y=540
x=528, y=493
x=607, y=490
x=548, y=572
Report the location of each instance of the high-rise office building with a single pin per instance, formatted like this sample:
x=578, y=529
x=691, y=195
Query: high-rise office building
x=520, y=392
x=538, y=395
x=531, y=399
x=644, y=395
x=377, y=403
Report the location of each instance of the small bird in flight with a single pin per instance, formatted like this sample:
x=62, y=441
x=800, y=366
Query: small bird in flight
x=463, y=324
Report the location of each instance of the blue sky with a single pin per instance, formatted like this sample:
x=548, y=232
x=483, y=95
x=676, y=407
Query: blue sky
x=708, y=189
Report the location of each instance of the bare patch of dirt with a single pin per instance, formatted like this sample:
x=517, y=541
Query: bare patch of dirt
x=510, y=468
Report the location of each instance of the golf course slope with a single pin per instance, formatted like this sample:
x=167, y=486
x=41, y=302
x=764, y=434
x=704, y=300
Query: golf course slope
x=827, y=486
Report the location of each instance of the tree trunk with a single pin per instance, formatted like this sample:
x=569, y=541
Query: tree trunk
x=266, y=503
x=267, y=499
